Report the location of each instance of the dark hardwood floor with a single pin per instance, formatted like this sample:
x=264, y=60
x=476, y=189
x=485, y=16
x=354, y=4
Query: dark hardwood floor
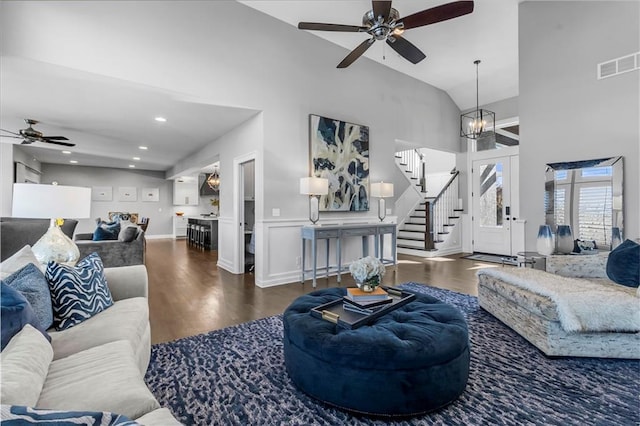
x=189, y=295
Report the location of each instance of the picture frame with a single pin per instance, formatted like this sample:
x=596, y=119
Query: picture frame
x=101, y=193
x=339, y=152
x=150, y=194
x=127, y=193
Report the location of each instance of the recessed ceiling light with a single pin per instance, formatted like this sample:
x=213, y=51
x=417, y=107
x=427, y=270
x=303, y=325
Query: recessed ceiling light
x=161, y=119
x=136, y=158
x=66, y=152
x=73, y=161
x=143, y=147
x=132, y=166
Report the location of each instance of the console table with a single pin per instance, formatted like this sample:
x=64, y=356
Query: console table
x=313, y=233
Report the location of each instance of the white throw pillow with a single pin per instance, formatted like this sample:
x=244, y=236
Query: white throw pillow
x=19, y=260
x=24, y=363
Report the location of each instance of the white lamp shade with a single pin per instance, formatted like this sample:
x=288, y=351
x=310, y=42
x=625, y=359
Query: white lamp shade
x=50, y=201
x=314, y=186
x=382, y=190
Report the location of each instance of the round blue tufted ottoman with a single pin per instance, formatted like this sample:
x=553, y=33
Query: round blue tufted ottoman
x=410, y=361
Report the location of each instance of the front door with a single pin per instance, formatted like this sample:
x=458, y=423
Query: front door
x=492, y=208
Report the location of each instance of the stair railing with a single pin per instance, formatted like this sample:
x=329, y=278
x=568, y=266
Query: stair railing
x=439, y=211
x=413, y=160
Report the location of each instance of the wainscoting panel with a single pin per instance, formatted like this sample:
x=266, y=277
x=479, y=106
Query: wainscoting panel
x=280, y=261
x=226, y=244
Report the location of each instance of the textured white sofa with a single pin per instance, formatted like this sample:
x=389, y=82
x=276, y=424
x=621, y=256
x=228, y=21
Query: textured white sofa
x=97, y=365
x=592, y=317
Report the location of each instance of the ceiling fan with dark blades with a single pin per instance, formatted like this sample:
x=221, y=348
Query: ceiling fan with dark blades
x=383, y=22
x=31, y=135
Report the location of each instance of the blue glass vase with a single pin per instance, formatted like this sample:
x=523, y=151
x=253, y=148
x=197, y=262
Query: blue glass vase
x=545, y=244
x=564, y=240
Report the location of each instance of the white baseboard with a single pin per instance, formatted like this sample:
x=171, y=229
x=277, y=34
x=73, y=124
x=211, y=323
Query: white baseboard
x=159, y=236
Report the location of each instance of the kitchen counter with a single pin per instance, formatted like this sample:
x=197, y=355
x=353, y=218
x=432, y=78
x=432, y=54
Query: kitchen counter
x=202, y=217
x=212, y=223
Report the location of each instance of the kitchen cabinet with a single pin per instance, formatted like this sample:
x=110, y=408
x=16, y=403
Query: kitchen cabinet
x=180, y=226
x=185, y=193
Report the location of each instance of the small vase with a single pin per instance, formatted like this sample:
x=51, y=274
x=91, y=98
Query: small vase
x=366, y=286
x=544, y=244
x=564, y=239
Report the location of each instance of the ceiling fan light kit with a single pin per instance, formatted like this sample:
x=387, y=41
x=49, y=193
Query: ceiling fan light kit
x=475, y=123
x=383, y=22
x=31, y=135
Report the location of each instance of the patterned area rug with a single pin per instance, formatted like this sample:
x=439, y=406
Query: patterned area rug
x=493, y=258
x=236, y=376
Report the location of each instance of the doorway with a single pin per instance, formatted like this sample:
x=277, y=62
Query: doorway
x=248, y=215
x=495, y=202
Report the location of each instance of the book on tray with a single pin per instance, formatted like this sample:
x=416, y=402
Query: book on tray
x=357, y=295
x=365, y=311
x=367, y=305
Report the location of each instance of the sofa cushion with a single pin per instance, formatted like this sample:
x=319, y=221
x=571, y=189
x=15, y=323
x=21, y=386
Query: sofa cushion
x=18, y=414
x=15, y=313
x=104, y=378
x=25, y=364
x=128, y=231
x=19, y=260
x=623, y=266
x=32, y=284
x=78, y=292
x=126, y=320
x=161, y=416
x=106, y=231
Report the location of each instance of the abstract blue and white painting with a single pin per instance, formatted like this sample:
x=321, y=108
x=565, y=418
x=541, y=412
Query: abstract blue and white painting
x=340, y=153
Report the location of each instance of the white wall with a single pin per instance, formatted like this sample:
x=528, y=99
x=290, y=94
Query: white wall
x=565, y=112
x=160, y=213
x=6, y=177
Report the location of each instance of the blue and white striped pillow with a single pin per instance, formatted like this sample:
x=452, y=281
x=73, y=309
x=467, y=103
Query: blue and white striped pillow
x=19, y=415
x=77, y=292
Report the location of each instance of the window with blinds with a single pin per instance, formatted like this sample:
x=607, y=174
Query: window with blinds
x=594, y=206
x=559, y=210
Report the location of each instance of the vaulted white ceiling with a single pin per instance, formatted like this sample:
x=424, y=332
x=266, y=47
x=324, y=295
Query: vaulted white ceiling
x=109, y=118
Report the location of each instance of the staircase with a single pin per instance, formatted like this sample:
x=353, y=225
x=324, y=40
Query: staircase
x=430, y=228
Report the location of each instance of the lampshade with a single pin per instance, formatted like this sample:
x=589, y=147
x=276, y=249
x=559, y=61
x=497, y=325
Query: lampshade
x=52, y=202
x=382, y=190
x=314, y=186
x=474, y=123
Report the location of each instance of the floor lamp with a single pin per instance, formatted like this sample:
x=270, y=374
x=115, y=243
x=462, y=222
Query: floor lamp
x=382, y=190
x=52, y=202
x=314, y=187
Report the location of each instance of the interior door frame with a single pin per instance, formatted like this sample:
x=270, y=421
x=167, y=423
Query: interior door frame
x=238, y=210
x=514, y=186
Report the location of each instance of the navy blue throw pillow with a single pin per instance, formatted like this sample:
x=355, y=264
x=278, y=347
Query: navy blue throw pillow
x=32, y=284
x=623, y=265
x=16, y=415
x=15, y=313
x=77, y=292
x=107, y=231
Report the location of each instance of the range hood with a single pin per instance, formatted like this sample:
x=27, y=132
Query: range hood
x=205, y=189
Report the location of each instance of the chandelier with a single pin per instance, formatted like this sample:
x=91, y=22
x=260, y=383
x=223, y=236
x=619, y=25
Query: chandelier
x=214, y=180
x=473, y=124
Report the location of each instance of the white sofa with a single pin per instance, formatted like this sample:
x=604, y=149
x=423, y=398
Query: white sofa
x=602, y=319
x=97, y=365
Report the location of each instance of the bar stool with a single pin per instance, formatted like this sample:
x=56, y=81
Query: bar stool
x=189, y=233
x=205, y=236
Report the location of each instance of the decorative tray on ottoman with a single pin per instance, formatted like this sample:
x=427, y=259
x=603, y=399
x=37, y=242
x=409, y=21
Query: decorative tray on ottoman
x=350, y=319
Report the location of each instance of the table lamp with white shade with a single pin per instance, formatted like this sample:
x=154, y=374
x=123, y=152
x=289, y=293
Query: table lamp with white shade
x=314, y=187
x=382, y=190
x=52, y=202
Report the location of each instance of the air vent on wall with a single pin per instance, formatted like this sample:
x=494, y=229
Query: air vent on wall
x=619, y=66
